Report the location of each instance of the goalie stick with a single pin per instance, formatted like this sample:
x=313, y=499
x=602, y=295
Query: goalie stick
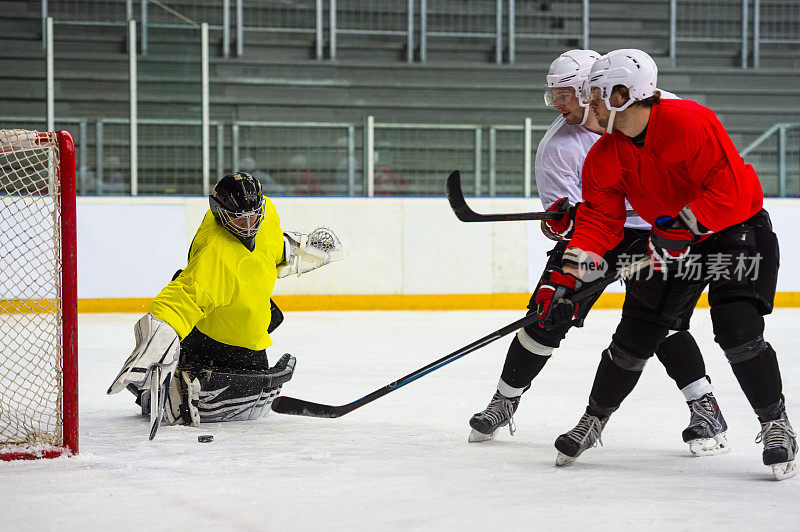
x=300, y=407
x=464, y=213
x=159, y=387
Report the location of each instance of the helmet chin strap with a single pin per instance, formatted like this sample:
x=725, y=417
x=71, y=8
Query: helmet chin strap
x=586, y=111
x=611, y=116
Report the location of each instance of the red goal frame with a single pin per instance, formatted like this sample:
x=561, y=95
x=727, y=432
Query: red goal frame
x=69, y=306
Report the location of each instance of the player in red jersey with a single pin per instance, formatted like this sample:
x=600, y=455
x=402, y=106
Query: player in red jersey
x=678, y=168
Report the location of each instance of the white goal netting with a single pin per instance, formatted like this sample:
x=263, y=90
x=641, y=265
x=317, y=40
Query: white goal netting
x=30, y=291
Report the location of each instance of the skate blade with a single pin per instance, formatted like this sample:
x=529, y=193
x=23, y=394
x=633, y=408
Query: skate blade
x=564, y=460
x=784, y=470
x=478, y=437
x=710, y=447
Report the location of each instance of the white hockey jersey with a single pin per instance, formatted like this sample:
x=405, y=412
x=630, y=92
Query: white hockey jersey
x=559, y=161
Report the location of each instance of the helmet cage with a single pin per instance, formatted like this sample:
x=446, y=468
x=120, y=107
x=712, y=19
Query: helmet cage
x=238, y=205
x=252, y=221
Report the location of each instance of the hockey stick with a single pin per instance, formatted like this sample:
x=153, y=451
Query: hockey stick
x=300, y=407
x=159, y=387
x=464, y=213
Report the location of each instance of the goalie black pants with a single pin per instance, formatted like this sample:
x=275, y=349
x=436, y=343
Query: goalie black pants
x=201, y=352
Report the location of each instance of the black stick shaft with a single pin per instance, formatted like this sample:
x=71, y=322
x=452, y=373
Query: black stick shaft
x=300, y=407
x=455, y=195
x=452, y=357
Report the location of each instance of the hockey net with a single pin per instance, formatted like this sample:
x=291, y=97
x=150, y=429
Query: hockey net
x=38, y=300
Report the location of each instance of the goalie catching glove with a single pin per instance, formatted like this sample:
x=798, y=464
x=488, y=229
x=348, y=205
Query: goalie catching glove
x=304, y=253
x=151, y=366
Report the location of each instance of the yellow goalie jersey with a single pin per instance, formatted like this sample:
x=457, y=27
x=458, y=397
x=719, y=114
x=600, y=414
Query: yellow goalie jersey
x=225, y=289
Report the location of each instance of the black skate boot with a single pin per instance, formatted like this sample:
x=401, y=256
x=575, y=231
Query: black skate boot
x=780, y=446
x=585, y=434
x=706, y=431
x=498, y=414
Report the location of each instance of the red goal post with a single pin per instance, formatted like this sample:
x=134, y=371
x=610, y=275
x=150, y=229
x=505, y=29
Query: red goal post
x=38, y=295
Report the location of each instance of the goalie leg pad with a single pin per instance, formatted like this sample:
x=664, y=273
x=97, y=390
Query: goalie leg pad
x=241, y=396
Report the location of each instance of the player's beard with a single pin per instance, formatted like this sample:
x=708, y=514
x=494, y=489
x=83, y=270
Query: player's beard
x=575, y=117
x=601, y=120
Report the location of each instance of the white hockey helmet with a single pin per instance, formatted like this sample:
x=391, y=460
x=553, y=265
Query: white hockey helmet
x=570, y=69
x=628, y=67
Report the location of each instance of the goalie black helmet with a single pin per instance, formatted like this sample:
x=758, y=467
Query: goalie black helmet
x=238, y=205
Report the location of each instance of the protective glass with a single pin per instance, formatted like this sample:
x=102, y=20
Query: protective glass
x=558, y=96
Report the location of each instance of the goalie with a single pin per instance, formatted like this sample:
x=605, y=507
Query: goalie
x=200, y=352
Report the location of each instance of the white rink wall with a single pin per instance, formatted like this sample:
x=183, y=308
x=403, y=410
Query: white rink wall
x=130, y=247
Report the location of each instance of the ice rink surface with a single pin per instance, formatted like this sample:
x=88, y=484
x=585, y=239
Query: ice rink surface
x=403, y=462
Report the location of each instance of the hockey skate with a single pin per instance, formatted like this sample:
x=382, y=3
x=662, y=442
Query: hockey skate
x=586, y=434
x=498, y=414
x=706, y=431
x=780, y=446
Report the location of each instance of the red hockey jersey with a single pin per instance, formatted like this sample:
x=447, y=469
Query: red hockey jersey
x=687, y=159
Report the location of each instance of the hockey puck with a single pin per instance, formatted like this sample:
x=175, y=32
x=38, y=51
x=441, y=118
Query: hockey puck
x=205, y=438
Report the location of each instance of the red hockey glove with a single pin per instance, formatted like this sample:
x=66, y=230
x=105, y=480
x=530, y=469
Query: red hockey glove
x=559, y=229
x=670, y=241
x=553, y=303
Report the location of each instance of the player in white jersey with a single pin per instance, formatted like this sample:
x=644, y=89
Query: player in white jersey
x=559, y=160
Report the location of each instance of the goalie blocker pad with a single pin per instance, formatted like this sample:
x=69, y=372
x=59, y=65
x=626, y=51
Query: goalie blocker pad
x=235, y=396
x=157, y=346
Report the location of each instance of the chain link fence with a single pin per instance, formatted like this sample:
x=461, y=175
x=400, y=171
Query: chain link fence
x=296, y=159
x=328, y=158
x=91, y=11
x=776, y=22
x=475, y=19
x=535, y=21
x=465, y=26
x=710, y=21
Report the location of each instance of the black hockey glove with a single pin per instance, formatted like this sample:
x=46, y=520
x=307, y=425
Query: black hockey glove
x=553, y=299
x=560, y=229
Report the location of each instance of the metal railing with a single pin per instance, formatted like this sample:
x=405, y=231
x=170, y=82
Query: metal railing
x=147, y=13
x=355, y=17
x=300, y=158
x=345, y=158
x=539, y=20
x=709, y=21
x=302, y=17
x=504, y=23
x=472, y=19
x=168, y=154
x=774, y=22
x=776, y=156
x=154, y=99
x=383, y=159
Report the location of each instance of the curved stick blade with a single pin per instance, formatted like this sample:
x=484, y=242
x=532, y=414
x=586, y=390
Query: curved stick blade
x=455, y=196
x=299, y=407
